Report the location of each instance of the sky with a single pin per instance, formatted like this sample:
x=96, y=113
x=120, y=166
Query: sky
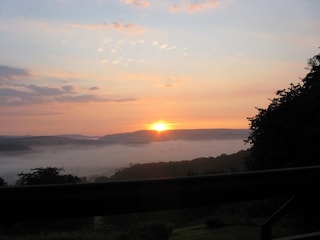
x=98, y=67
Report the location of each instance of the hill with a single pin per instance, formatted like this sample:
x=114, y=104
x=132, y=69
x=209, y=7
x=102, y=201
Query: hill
x=11, y=147
x=28, y=143
x=45, y=140
x=138, y=137
x=147, y=136
x=198, y=166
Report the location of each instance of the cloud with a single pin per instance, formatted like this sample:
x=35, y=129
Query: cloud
x=128, y=28
x=137, y=3
x=92, y=26
x=14, y=97
x=33, y=94
x=117, y=61
x=192, y=5
x=40, y=95
x=26, y=112
x=15, y=92
x=94, y=88
x=91, y=98
x=49, y=91
x=68, y=88
x=163, y=46
x=8, y=73
x=171, y=82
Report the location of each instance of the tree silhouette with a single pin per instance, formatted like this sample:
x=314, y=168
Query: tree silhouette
x=2, y=182
x=287, y=132
x=48, y=175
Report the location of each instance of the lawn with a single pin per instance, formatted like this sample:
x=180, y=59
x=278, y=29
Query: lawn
x=200, y=232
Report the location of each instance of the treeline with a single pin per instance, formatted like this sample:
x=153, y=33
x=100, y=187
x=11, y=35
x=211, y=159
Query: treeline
x=198, y=166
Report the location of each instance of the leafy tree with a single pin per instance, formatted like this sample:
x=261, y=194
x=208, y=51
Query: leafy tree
x=48, y=175
x=2, y=182
x=287, y=132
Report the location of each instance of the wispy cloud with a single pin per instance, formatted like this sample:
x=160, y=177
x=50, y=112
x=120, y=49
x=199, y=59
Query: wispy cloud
x=172, y=82
x=49, y=91
x=137, y=3
x=193, y=6
x=128, y=28
x=38, y=95
x=26, y=112
x=92, y=26
x=8, y=73
x=91, y=98
x=94, y=88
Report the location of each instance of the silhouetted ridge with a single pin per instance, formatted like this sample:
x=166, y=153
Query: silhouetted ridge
x=146, y=136
x=44, y=140
x=9, y=147
x=198, y=166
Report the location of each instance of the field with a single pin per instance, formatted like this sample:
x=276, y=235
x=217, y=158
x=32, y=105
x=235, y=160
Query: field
x=194, y=232
x=200, y=232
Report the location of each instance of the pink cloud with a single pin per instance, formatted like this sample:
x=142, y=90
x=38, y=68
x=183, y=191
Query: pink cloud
x=128, y=28
x=94, y=26
x=137, y=3
x=192, y=6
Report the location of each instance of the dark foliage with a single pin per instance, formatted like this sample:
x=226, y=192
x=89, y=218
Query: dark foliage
x=2, y=182
x=287, y=132
x=198, y=166
x=48, y=175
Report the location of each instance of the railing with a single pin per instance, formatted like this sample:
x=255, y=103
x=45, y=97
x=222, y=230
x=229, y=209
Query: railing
x=99, y=199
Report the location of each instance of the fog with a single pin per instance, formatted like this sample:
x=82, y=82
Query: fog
x=105, y=160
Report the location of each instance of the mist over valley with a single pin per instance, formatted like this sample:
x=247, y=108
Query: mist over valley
x=104, y=156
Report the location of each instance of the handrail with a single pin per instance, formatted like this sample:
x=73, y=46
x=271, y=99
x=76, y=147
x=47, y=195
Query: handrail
x=98, y=199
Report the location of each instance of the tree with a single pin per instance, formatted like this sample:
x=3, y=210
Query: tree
x=2, y=182
x=287, y=132
x=48, y=175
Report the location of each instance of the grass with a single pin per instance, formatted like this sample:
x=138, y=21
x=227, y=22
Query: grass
x=200, y=232
x=59, y=236
x=195, y=232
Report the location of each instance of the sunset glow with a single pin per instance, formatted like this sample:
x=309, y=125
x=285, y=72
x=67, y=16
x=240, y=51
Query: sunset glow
x=101, y=67
x=160, y=126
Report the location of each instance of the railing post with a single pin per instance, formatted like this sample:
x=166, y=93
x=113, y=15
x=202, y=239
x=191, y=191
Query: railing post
x=266, y=229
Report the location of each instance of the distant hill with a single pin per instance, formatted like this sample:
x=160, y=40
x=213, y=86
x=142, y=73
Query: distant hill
x=138, y=137
x=198, y=166
x=79, y=136
x=11, y=147
x=44, y=140
x=147, y=136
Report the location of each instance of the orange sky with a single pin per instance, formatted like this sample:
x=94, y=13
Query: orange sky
x=99, y=67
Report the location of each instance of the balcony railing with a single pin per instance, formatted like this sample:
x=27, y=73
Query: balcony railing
x=100, y=199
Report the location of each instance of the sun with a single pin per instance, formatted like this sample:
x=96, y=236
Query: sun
x=160, y=126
